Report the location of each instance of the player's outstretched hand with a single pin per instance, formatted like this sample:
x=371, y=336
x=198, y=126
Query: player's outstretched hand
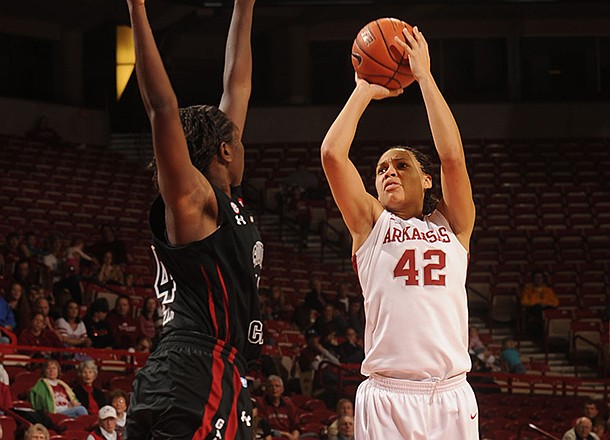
x=417, y=49
x=375, y=91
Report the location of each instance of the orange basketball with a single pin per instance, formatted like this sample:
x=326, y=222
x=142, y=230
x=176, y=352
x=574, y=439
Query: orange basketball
x=377, y=58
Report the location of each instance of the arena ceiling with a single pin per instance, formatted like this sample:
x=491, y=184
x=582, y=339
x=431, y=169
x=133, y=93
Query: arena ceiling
x=86, y=14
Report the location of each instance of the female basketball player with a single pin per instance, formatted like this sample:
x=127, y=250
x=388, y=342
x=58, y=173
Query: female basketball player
x=411, y=253
x=207, y=249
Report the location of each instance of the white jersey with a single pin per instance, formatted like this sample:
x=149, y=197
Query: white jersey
x=413, y=275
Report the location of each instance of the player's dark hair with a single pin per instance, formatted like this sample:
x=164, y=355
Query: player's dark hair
x=431, y=198
x=205, y=127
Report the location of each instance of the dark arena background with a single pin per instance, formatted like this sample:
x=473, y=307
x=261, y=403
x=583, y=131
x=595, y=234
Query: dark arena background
x=529, y=84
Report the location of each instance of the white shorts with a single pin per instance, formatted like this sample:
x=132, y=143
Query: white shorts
x=396, y=409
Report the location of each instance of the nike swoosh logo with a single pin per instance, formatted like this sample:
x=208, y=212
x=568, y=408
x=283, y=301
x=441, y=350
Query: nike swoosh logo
x=473, y=416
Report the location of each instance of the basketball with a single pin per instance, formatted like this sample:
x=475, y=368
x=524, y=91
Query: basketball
x=377, y=58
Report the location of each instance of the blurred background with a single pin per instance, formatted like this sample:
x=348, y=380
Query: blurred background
x=510, y=68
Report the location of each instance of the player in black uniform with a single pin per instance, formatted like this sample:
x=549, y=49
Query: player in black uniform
x=207, y=249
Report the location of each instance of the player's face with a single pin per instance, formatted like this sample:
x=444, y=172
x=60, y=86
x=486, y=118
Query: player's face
x=400, y=181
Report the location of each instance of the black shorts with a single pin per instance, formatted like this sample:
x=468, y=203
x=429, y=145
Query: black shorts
x=190, y=388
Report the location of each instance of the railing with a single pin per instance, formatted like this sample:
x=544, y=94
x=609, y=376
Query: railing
x=30, y=356
x=540, y=384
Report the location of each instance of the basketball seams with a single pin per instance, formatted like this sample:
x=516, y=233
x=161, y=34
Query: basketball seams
x=363, y=50
x=369, y=59
x=387, y=47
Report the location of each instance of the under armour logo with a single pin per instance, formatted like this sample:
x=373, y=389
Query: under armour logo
x=240, y=219
x=246, y=418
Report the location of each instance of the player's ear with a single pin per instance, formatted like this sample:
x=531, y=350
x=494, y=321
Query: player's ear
x=225, y=153
x=427, y=181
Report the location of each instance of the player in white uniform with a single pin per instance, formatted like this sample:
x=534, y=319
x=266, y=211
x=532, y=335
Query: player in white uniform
x=411, y=254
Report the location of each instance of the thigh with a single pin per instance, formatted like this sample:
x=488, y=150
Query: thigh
x=189, y=394
x=381, y=413
x=455, y=415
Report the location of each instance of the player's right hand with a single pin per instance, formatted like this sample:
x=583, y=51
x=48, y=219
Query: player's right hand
x=376, y=91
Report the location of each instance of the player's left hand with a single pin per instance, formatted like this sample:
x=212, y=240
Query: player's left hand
x=417, y=49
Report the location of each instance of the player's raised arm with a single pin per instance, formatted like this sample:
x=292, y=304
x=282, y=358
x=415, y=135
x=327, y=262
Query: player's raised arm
x=358, y=207
x=183, y=188
x=457, y=204
x=237, y=80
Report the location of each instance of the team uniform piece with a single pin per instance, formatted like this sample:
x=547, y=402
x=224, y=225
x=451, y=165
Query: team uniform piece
x=212, y=329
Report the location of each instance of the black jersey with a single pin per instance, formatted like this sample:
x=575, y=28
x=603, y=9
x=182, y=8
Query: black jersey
x=211, y=286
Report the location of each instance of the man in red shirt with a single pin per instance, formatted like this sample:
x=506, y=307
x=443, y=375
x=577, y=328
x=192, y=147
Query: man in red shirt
x=278, y=411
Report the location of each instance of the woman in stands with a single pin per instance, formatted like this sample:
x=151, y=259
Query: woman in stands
x=207, y=249
x=52, y=395
x=85, y=391
x=71, y=328
x=411, y=255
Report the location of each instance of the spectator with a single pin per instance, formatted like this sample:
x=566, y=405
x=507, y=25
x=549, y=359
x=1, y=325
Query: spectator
x=36, y=431
x=483, y=384
x=74, y=255
x=71, y=329
x=475, y=345
x=42, y=306
x=54, y=260
x=350, y=350
x=24, y=274
x=355, y=317
x=51, y=394
x=599, y=428
x=118, y=400
x=147, y=321
x=314, y=354
x=39, y=335
x=4, y=378
x=85, y=391
x=109, y=243
x=19, y=305
x=330, y=315
x=110, y=273
x=276, y=306
x=34, y=293
x=511, y=358
x=260, y=427
x=346, y=428
x=124, y=327
x=345, y=407
x=107, y=427
x=29, y=247
x=57, y=308
x=536, y=297
x=11, y=253
x=144, y=345
x=489, y=361
x=315, y=298
x=96, y=322
x=582, y=431
x=343, y=300
x=590, y=410
x=281, y=414
x=7, y=317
